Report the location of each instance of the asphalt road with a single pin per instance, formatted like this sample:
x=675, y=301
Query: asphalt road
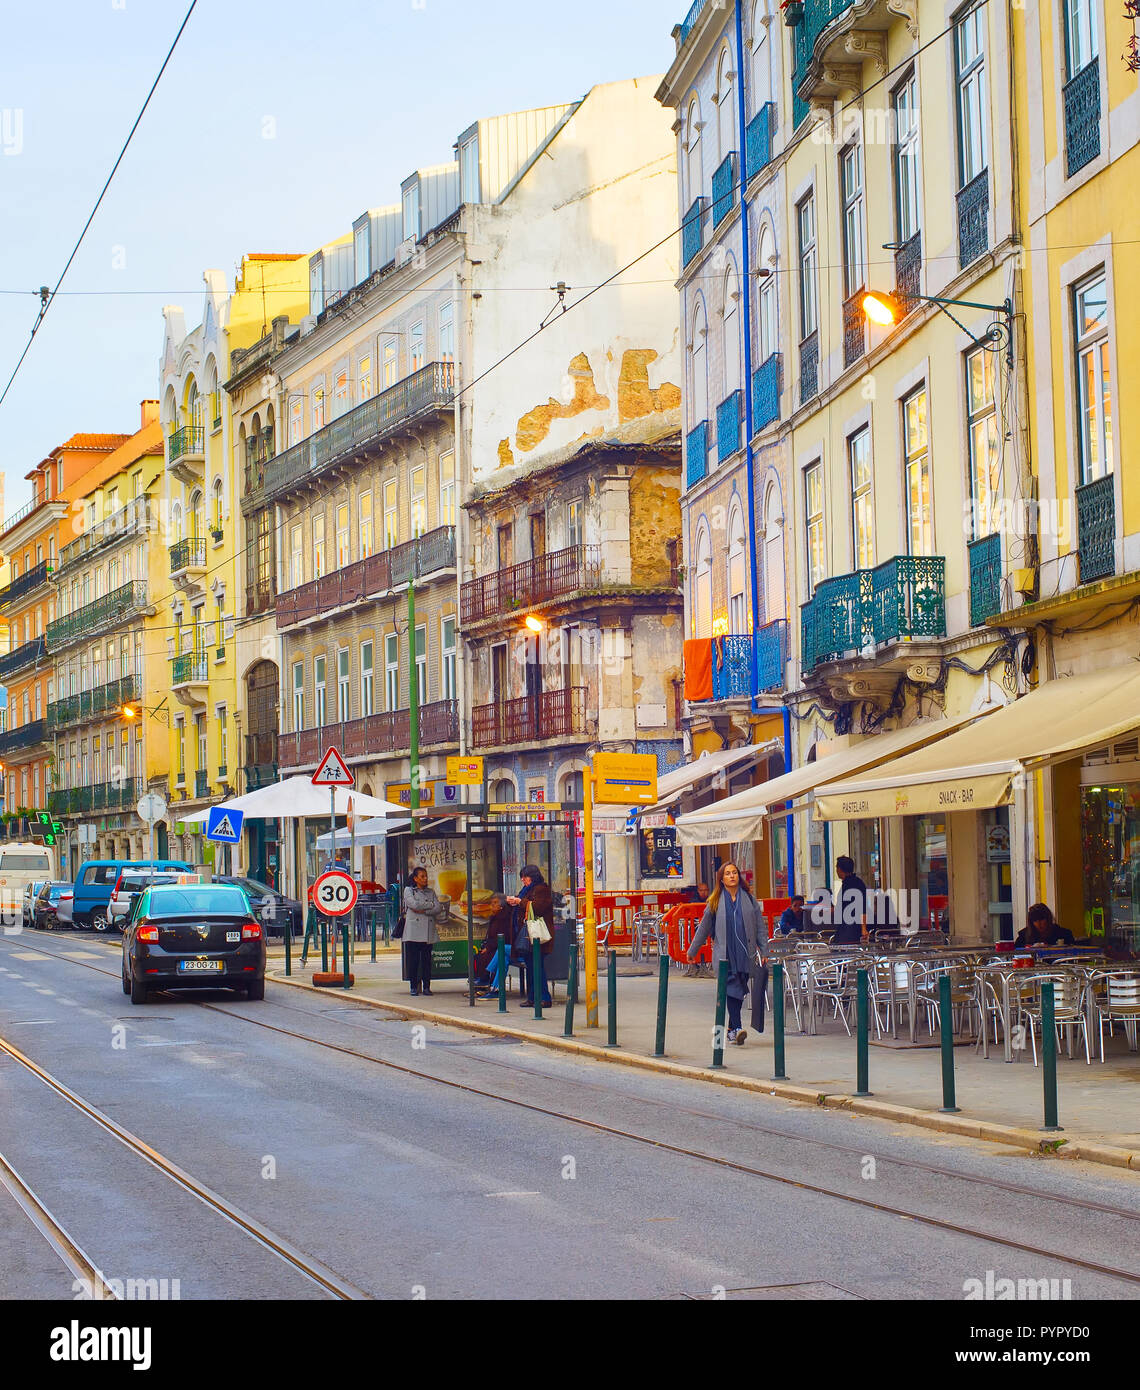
x=405, y=1187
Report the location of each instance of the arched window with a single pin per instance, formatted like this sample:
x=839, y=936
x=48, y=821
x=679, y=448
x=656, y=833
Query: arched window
x=774, y=590
x=197, y=515
x=216, y=505
x=702, y=585
x=725, y=107
x=698, y=368
x=731, y=340
x=195, y=410
x=737, y=572
x=767, y=338
x=694, y=180
x=176, y=522
x=761, y=57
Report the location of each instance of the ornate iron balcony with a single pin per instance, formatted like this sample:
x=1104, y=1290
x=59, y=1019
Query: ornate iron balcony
x=202, y=782
x=191, y=668
x=25, y=583
x=90, y=704
x=899, y=600
x=696, y=454
x=556, y=574
x=26, y=736
x=374, y=735
x=729, y=415
x=127, y=522
x=1082, y=118
x=692, y=231
x=908, y=271
x=120, y=795
x=190, y=439
x=758, y=139
x=688, y=24
x=120, y=603
x=854, y=328
x=549, y=714
x=985, y=579
x=724, y=188
x=809, y=368
x=1096, y=529
x=766, y=392
x=974, y=219
x=188, y=554
x=26, y=655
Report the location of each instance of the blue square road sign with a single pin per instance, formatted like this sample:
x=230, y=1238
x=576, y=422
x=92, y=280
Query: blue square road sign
x=224, y=825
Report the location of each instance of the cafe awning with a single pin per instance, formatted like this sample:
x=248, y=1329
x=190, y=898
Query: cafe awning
x=975, y=768
x=671, y=786
x=740, y=818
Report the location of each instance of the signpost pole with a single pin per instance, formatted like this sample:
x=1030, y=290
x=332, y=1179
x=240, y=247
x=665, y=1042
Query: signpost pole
x=413, y=704
x=470, y=919
x=589, y=926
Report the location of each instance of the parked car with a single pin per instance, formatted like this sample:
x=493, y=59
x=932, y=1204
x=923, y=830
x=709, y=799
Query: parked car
x=272, y=907
x=93, y=884
x=193, y=936
x=28, y=899
x=131, y=883
x=46, y=904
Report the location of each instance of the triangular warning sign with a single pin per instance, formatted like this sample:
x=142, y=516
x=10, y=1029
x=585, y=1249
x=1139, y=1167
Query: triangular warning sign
x=333, y=771
x=224, y=830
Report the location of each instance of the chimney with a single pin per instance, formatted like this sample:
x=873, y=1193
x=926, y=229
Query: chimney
x=149, y=413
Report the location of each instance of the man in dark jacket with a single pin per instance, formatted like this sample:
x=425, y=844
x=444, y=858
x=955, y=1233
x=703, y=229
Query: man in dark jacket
x=850, y=905
x=536, y=892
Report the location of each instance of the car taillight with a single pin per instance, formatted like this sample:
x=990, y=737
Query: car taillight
x=250, y=931
x=148, y=934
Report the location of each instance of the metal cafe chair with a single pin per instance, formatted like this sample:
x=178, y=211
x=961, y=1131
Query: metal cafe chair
x=1068, y=1008
x=1116, y=997
x=830, y=981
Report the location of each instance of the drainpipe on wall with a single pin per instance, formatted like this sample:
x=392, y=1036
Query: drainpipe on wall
x=749, y=461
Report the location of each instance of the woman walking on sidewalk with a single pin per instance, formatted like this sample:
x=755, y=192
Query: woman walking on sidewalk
x=737, y=927
x=422, y=910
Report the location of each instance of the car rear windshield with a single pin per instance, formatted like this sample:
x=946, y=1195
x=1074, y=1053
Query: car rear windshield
x=214, y=900
x=23, y=863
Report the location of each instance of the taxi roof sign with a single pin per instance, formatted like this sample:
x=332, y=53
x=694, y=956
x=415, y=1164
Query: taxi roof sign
x=625, y=779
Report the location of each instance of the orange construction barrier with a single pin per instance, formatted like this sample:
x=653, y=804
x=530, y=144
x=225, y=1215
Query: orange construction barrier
x=774, y=909
x=681, y=923
x=621, y=907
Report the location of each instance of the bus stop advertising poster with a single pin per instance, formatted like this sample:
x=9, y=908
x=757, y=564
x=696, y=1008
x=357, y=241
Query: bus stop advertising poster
x=445, y=859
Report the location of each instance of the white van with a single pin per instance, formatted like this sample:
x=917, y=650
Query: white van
x=21, y=862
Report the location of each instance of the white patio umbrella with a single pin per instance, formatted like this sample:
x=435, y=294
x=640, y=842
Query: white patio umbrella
x=372, y=832
x=295, y=797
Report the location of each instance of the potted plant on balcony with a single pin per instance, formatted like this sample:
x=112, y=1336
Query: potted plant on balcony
x=217, y=533
x=793, y=12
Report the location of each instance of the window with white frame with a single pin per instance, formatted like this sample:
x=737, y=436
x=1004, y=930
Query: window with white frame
x=854, y=234
x=298, y=696
x=761, y=58
x=296, y=556
x=421, y=664
x=694, y=172
x=341, y=395
x=391, y=520
x=343, y=711
x=318, y=545
x=469, y=189
x=392, y=670
x=362, y=250
x=574, y=524
x=416, y=347
x=731, y=347
x=391, y=362
x=364, y=376
x=319, y=686
x=698, y=368
x=916, y=469
x=814, y=519
x=908, y=171
x=343, y=546
x=970, y=59
x=862, y=500
x=419, y=500
x=447, y=488
x=809, y=303
x=1082, y=41
x=767, y=335
x=775, y=602
x=983, y=442
x=316, y=286
x=411, y=205
x=725, y=107
x=296, y=419
x=223, y=742
x=367, y=705
x=737, y=573
x=447, y=668
x=366, y=538
x=318, y=408
x=702, y=585
x=447, y=332
x=1094, y=383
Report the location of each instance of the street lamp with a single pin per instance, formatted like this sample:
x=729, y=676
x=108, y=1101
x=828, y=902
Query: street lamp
x=135, y=711
x=884, y=309
x=534, y=623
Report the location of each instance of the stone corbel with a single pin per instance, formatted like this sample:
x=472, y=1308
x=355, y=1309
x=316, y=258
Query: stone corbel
x=868, y=46
x=923, y=672
x=908, y=10
x=875, y=688
x=844, y=77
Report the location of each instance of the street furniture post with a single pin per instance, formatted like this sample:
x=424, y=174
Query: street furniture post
x=778, y=1072
x=1049, y=1056
x=611, y=1001
x=718, y=1024
x=662, y=1004
x=946, y=1026
x=861, y=1036
x=571, y=991
x=501, y=976
x=589, y=930
x=536, y=976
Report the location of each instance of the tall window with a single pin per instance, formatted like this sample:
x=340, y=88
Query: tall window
x=916, y=465
x=774, y=588
x=761, y=59
x=854, y=239
x=200, y=730
x=766, y=302
x=391, y=526
x=341, y=400
x=421, y=663
x=737, y=579
x=343, y=549
x=447, y=332
x=318, y=545
x=316, y=286
x=296, y=419
x=731, y=356
x=366, y=696
x=862, y=503
x=364, y=375
x=181, y=769
x=296, y=557
x=318, y=408
x=725, y=108
x=904, y=104
x=391, y=363
x=319, y=666
x=419, y=500
x=447, y=646
x=366, y=543
x=447, y=488
x=982, y=427
x=342, y=690
x=970, y=51
x=392, y=670
x=698, y=368
x=416, y=347
x=362, y=250
x=469, y=191
x=693, y=153
x=813, y=513
x=702, y=586
x=805, y=224
x=1094, y=385
x=298, y=696
x=223, y=741
x=1082, y=43
x=573, y=523
x=412, y=212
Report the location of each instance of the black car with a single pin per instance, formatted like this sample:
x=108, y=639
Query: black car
x=193, y=936
x=44, y=904
x=272, y=908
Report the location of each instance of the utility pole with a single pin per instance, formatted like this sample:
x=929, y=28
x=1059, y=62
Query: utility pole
x=589, y=925
x=413, y=702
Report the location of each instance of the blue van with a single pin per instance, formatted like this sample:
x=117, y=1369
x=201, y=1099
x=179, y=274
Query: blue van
x=93, y=884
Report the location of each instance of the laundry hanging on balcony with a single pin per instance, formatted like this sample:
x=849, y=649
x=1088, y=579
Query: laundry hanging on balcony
x=698, y=669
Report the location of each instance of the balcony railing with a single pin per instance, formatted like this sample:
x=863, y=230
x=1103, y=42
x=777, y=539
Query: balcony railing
x=531, y=582
x=818, y=14
x=732, y=661
x=688, y=24
x=375, y=735
x=1096, y=529
x=549, y=714
x=84, y=622
x=692, y=231
x=1082, y=118
x=25, y=583
x=758, y=139
x=766, y=392
x=724, y=188
x=93, y=704
x=26, y=655
x=202, y=782
x=26, y=736
x=261, y=748
x=364, y=578
x=902, y=599
x=985, y=579
x=974, y=219
x=190, y=439
x=190, y=668
x=696, y=454
x=908, y=271
x=188, y=554
x=729, y=415
x=374, y=420
x=259, y=449
x=126, y=522
x=120, y=795
x=258, y=775
x=854, y=328
x=809, y=368
x=260, y=596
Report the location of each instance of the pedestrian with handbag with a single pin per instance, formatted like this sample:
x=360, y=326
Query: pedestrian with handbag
x=740, y=933
x=534, y=918
x=423, y=909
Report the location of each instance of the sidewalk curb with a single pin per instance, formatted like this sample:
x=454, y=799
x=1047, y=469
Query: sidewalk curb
x=1030, y=1140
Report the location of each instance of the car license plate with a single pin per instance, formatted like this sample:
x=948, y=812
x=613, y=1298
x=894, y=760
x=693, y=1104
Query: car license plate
x=208, y=967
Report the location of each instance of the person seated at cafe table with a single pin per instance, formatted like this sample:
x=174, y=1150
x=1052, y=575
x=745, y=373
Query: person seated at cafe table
x=792, y=917
x=1041, y=929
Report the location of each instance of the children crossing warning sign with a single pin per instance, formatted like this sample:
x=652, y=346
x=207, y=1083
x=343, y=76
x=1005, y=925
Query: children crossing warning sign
x=224, y=825
x=333, y=771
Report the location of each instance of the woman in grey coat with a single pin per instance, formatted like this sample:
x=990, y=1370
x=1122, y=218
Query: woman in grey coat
x=740, y=934
x=422, y=910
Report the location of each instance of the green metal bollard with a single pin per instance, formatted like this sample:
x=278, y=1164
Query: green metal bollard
x=347, y=965
x=662, y=1004
x=946, y=1028
x=536, y=977
x=310, y=934
x=778, y=1072
x=571, y=996
x=611, y=1001
x=324, y=945
x=862, y=1041
x=501, y=974
x=718, y=1026
x=1049, y=1057
x=372, y=915
x=289, y=946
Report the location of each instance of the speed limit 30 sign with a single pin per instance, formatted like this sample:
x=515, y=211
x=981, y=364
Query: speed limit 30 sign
x=335, y=893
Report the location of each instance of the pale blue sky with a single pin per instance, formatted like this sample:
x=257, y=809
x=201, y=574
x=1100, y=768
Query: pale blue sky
x=360, y=94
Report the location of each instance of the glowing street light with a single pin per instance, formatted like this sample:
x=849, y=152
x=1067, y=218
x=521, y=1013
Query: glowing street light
x=885, y=309
x=881, y=308
x=534, y=623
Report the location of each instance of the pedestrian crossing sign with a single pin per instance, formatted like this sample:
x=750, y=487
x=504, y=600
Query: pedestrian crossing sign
x=333, y=771
x=224, y=825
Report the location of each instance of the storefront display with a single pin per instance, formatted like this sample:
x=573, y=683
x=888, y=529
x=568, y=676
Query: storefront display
x=1110, y=834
